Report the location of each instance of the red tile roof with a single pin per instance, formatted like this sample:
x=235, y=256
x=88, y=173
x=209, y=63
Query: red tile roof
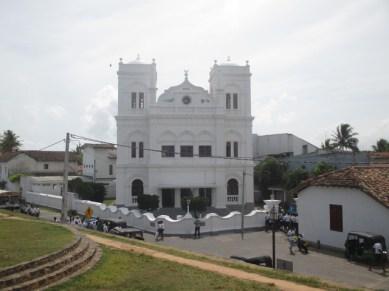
x=373, y=180
x=40, y=156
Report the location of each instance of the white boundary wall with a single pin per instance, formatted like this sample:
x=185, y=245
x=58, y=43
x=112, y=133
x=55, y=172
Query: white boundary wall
x=146, y=221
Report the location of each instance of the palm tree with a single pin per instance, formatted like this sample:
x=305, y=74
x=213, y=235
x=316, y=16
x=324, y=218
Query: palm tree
x=381, y=146
x=344, y=138
x=9, y=141
x=327, y=145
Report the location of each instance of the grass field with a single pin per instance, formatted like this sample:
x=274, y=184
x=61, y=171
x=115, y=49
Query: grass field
x=119, y=270
x=23, y=240
x=277, y=274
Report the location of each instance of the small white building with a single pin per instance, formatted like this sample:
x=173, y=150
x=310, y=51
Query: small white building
x=189, y=141
x=99, y=162
x=36, y=163
x=351, y=199
x=281, y=144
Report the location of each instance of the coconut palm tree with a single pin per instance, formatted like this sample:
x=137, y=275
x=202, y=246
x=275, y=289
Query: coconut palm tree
x=381, y=146
x=327, y=145
x=344, y=138
x=9, y=141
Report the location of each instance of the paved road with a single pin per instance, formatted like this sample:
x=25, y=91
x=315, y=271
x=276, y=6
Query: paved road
x=327, y=267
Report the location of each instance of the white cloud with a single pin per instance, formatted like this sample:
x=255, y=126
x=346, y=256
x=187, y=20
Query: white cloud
x=99, y=114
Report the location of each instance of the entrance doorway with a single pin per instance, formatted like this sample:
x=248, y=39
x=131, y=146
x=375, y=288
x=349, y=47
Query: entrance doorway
x=168, y=198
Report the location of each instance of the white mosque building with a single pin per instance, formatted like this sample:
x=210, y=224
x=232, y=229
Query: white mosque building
x=189, y=141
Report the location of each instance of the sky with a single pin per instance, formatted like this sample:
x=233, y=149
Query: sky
x=314, y=64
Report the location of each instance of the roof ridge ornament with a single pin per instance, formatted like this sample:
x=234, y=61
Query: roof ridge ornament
x=186, y=74
x=228, y=59
x=138, y=57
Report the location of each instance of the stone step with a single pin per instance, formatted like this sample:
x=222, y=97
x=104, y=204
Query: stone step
x=43, y=269
x=41, y=260
x=64, y=272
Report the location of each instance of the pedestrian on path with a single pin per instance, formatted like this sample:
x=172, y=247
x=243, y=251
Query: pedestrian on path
x=160, y=230
x=197, y=224
x=291, y=240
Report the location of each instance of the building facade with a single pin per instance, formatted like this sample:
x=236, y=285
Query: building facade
x=336, y=203
x=281, y=144
x=99, y=162
x=188, y=142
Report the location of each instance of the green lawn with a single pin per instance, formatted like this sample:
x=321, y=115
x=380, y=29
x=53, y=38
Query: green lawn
x=268, y=272
x=119, y=270
x=23, y=240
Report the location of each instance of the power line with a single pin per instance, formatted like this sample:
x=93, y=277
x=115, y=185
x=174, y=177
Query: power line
x=53, y=144
x=160, y=151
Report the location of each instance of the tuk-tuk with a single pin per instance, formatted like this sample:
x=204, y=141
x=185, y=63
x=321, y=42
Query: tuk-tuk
x=359, y=245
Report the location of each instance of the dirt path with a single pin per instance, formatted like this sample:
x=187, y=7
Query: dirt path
x=226, y=271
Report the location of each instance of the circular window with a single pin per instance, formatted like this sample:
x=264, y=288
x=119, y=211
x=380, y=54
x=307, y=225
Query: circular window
x=186, y=100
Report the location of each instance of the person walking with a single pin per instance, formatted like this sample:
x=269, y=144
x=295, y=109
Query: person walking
x=301, y=244
x=291, y=240
x=160, y=230
x=197, y=224
x=379, y=254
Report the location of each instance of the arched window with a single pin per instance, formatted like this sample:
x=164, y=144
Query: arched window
x=232, y=187
x=137, y=187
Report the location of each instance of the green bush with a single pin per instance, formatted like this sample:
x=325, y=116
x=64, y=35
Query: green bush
x=148, y=202
x=87, y=190
x=322, y=167
x=15, y=178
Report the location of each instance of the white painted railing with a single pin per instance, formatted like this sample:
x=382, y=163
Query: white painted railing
x=134, y=199
x=232, y=199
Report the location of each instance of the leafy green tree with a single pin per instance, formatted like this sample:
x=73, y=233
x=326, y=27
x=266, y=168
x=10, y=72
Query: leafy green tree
x=381, y=146
x=78, y=152
x=148, y=202
x=9, y=141
x=87, y=190
x=344, y=138
x=294, y=178
x=269, y=173
x=322, y=167
x=327, y=145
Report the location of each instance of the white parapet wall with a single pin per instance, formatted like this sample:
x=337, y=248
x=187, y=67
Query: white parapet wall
x=212, y=223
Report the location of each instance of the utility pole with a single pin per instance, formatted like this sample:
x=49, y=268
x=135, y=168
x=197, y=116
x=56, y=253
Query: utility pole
x=65, y=179
x=242, y=210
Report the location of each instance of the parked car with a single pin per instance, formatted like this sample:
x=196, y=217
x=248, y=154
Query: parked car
x=128, y=232
x=359, y=245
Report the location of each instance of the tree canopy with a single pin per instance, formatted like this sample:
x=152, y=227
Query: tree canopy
x=344, y=138
x=269, y=173
x=9, y=141
x=381, y=146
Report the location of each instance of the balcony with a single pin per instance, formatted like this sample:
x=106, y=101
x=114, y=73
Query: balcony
x=232, y=199
x=134, y=199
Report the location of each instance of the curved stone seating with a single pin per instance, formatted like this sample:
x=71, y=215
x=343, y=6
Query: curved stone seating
x=49, y=269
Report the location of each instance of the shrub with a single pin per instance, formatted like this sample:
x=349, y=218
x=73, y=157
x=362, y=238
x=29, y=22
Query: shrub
x=322, y=167
x=148, y=202
x=15, y=178
x=87, y=190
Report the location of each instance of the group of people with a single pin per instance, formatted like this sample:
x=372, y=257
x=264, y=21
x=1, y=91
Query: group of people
x=284, y=222
x=160, y=228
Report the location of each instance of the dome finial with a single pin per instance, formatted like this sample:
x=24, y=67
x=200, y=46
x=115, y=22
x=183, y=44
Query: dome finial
x=186, y=75
x=137, y=57
x=228, y=59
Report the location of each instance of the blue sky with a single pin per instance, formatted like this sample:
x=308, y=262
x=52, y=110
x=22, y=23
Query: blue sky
x=315, y=64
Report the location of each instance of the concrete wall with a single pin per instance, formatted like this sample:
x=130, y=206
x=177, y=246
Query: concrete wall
x=146, y=221
x=360, y=213
x=338, y=159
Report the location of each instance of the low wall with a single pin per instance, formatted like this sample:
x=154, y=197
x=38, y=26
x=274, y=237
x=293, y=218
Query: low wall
x=213, y=223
